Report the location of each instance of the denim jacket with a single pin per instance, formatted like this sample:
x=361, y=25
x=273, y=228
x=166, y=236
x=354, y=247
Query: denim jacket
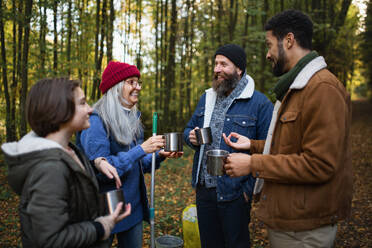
x=249, y=115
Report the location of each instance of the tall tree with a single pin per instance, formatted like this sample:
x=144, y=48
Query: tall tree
x=157, y=57
x=42, y=36
x=233, y=17
x=69, y=36
x=13, y=88
x=28, y=13
x=21, y=23
x=263, y=48
x=170, y=66
x=101, y=46
x=55, y=33
x=8, y=126
x=110, y=31
x=139, y=34
x=96, y=51
x=219, y=22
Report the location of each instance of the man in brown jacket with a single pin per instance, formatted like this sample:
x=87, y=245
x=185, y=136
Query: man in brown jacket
x=306, y=160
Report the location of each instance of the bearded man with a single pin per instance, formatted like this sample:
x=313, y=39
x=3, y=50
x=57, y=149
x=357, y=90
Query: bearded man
x=232, y=105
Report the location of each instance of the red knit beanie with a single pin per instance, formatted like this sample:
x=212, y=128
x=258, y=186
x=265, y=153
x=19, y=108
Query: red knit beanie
x=116, y=72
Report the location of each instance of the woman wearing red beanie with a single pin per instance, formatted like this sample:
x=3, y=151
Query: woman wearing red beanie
x=116, y=134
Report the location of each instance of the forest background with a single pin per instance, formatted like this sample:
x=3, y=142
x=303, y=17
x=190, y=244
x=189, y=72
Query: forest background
x=172, y=42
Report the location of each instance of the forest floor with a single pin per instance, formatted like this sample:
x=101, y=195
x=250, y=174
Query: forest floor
x=173, y=193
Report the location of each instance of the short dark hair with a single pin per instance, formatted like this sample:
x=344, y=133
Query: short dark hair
x=293, y=21
x=50, y=103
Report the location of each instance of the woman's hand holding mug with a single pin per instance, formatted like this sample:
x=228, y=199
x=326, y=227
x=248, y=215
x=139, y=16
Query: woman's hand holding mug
x=153, y=144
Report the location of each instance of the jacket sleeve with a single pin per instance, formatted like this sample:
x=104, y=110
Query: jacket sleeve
x=96, y=143
x=193, y=122
x=323, y=130
x=147, y=162
x=48, y=206
x=257, y=146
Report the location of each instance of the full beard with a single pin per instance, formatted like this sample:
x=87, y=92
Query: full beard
x=224, y=87
x=278, y=68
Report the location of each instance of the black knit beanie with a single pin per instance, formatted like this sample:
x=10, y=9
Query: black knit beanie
x=234, y=53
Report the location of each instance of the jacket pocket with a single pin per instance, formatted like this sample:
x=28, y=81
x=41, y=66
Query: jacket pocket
x=288, y=129
x=243, y=125
x=288, y=117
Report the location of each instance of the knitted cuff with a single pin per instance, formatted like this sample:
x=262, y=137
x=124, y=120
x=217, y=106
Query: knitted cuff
x=100, y=231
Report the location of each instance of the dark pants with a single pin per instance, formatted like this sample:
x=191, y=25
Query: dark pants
x=222, y=224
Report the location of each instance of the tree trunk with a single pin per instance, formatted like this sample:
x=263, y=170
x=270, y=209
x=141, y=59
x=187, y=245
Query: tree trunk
x=13, y=88
x=8, y=126
x=103, y=31
x=261, y=85
x=219, y=22
x=55, y=41
x=163, y=49
x=96, y=46
x=139, y=34
x=62, y=66
x=110, y=30
x=42, y=35
x=28, y=13
x=246, y=23
x=189, y=60
x=340, y=19
x=69, y=35
x=79, y=41
x=126, y=36
x=157, y=55
x=233, y=16
x=184, y=54
x=170, y=67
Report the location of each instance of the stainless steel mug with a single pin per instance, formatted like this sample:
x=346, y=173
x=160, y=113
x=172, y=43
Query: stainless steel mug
x=173, y=142
x=112, y=198
x=216, y=159
x=203, y=135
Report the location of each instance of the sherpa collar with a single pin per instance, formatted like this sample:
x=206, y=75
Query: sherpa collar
x=307, y=72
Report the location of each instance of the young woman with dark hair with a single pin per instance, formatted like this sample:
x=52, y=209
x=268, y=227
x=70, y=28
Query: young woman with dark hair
x=59, y=200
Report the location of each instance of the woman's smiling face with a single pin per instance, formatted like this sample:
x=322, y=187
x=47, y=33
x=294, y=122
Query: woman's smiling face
x=131, y=89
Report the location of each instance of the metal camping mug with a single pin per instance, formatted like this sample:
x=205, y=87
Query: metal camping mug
x=203, y=135
x=112, y=198
x=216, y=159
x=173, y=142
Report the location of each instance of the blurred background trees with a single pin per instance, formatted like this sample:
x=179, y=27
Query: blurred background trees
x=171, y=41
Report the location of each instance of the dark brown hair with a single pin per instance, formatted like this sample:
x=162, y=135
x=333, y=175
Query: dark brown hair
x=50, y=103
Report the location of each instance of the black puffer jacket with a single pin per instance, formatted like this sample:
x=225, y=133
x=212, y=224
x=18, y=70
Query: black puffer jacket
x=58, y=199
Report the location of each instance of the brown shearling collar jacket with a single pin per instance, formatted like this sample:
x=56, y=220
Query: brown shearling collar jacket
x=308, y=174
